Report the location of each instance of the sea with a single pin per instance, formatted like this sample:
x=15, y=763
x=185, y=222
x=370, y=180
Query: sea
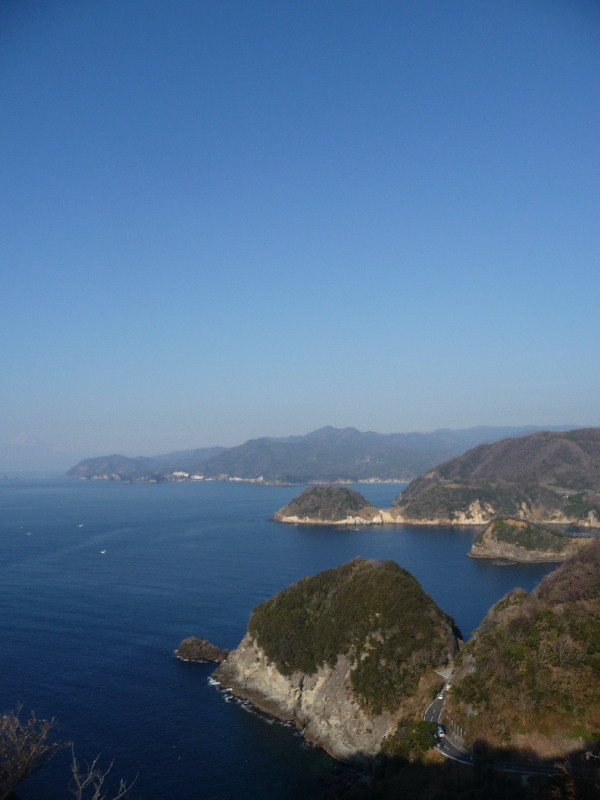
x=101, y=581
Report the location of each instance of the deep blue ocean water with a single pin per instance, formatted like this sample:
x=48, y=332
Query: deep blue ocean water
x=88, y=637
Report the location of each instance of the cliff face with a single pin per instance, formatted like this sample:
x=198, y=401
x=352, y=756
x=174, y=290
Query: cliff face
x=461, y=504
x=515, y=540
x=334, y=505
x=322, y=704
x=530, y=677
x=348, y=655
x=449, y=506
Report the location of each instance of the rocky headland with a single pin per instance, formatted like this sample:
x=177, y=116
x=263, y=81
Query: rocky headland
x=349, y=655
x=546, y=478
x=516, y=540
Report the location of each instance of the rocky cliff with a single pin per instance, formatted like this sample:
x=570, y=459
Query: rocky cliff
x=515, y=540
x=349, y=655
x=445, y=504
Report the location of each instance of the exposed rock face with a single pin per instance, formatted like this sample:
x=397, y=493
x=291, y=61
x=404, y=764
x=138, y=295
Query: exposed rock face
x=432, y=500
x=335, y=505
x=458, y=504
x=471, y=512
x=322, y=704
x=194, y=648
x=515, y=540
x=347, y=655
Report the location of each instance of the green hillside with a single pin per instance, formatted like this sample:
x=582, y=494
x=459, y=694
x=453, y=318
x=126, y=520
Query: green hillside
x=374, y=611
x=546, y=475
x=530, y=677
x=329, y=503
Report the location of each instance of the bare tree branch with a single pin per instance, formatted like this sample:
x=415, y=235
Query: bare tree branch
x=88, y=781
x=24, y=748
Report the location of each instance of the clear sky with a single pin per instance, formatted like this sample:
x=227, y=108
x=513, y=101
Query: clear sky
x=221, y=220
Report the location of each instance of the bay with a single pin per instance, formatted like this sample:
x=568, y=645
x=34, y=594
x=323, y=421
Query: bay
x=100, y=581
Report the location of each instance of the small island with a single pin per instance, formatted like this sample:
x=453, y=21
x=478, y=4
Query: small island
x=516, y=540
x=194, y=648
x=329, y=505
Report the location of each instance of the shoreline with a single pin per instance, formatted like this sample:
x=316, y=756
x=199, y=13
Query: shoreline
x=118, y=478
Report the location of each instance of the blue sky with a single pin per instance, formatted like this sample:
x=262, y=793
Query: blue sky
x=221, y=220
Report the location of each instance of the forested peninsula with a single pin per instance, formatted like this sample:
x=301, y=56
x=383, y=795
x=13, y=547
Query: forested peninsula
x=546, y=478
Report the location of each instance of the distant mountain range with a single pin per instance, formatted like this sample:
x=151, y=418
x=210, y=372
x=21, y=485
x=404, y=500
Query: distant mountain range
x=327, y=455
x=117, y=467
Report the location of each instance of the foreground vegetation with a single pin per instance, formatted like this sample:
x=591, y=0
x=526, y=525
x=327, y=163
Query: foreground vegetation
x=435, y=778
x=26, y=745
x=530, y=678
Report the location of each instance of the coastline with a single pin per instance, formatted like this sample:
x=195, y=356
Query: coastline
x=118, y=478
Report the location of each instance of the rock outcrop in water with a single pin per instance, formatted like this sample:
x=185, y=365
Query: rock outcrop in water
x=348, y=655
x=194, y=648
x=515, y=540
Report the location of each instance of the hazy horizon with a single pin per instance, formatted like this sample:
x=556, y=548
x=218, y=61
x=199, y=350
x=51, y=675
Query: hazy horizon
x=226, y=221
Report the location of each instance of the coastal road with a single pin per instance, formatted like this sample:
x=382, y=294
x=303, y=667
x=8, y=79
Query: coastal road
x=445, y=746
x=457, y=753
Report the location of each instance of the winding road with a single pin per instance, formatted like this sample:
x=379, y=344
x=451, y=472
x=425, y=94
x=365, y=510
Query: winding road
x=451, y=750
x=445, y=746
